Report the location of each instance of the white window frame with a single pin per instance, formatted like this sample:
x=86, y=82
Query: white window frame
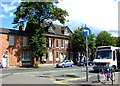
x=57, y=43
x=62, y=43
x=66, y=44
x=11, y=40
x=25, y=41
x=51, y=42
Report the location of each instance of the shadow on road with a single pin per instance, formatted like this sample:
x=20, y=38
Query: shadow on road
x=92, y=71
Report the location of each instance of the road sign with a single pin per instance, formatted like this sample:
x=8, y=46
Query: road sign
x=86, y=31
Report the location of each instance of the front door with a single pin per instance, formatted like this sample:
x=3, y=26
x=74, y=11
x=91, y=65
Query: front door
x=61, y=57
x=26, y=59
x=50, y=56
x=118, y=59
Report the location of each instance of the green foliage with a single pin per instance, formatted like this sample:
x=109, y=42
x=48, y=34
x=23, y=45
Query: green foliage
x=78, y=41
x=37, y=44
x=91, y=41
x=35, y=65
x=35, y=13
x=118, y=41
x=105, y=39
x=38, y=12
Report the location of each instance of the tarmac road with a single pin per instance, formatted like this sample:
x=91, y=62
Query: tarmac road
x=49, y=75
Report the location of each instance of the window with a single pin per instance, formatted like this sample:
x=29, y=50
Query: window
x=11, y=40
x=62, y=43
x=57, y=41
x=113, y=55
x=66, y=44
x=50, y=42
x=106, y=54
x=66, y=32
x=25, y=56
x=25, y=41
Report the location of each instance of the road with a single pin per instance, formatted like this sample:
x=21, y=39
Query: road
x=45, y=75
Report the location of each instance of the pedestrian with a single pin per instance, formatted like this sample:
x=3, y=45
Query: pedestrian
x=78, y=57
x=4, y=59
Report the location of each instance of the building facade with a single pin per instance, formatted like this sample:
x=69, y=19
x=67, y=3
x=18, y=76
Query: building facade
x=16, y=43
x=58, y=44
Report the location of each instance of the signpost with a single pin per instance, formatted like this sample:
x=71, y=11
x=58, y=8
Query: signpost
x=86, y=32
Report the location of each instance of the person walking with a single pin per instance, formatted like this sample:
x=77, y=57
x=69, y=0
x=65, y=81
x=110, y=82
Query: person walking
x=5, y=59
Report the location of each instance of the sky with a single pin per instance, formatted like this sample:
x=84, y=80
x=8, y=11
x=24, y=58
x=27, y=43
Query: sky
x=98, y=15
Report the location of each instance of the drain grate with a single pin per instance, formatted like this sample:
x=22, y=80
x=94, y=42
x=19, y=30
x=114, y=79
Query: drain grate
x=68, y=75
x=44, y=76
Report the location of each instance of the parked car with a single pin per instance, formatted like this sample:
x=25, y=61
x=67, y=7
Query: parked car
x=65, y=63
x=85, y=63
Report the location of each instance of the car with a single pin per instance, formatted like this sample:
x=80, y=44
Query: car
x=65, y=63
x=85, y=63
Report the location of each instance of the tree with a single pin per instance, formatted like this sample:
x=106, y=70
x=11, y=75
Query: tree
x=91, y=41
x=78, y=41
x=91, y=46
x=38, y=12
x=37, y=44
x=35, y=14
x=104, y=39
x=118, y=41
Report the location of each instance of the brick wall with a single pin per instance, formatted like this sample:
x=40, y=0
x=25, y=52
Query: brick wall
x=54, y=49
x=3, y=44
x=13, y=51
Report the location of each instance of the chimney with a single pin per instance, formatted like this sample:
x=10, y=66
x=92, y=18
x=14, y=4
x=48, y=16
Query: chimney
x=21, y=27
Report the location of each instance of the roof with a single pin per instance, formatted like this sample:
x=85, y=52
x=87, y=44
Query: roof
x=59, y=29
x=52, y=30
x=12, y=31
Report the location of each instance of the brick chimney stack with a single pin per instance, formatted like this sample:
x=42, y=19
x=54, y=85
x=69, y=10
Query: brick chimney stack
x=21, y=27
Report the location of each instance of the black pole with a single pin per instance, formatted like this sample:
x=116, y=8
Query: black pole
x=87, y=71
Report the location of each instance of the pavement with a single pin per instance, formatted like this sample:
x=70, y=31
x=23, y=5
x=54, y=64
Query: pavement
x=18, y=67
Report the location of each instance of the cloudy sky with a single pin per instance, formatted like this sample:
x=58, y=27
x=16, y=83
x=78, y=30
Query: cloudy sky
x=99, y=15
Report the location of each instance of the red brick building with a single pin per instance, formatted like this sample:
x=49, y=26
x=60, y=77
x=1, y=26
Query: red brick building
x=16, y=42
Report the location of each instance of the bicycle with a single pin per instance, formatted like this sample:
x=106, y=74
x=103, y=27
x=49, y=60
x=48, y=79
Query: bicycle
x=105, y=74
